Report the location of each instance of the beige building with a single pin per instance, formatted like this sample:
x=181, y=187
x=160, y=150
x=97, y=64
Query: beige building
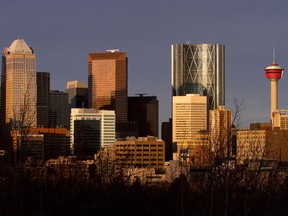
x=189, y=117
x=143, y=152
x=220, y=123
x=19, y=87
x=280, y=119
x=258, y=145
x=107, y=82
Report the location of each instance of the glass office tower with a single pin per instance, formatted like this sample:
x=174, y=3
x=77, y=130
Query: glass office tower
x=199, y=69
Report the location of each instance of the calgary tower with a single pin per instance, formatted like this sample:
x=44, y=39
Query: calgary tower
x=274, y=73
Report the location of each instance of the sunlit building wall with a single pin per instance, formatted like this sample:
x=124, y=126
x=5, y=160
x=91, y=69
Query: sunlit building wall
x=141, y=152
x=19, y=89
x=220, y=124
x=107, y=82
x=189, y=117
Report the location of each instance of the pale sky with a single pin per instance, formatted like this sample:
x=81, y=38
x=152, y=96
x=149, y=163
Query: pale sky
x=62, y=32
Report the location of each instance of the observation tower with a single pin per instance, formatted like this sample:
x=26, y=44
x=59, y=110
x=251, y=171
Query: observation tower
x=274, y=73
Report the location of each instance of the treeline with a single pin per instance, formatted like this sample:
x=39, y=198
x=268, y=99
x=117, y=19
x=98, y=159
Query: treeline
x=215, y=191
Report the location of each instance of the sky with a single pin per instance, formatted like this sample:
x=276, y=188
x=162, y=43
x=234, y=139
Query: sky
x=63, y=32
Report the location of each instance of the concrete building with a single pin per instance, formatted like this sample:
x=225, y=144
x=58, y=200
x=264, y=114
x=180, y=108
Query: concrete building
x=141, y=152
x=43, y=98
x=18, y=87
x=190, y=116
x=107, y=81
x=58, y=109
x=145, y=111
x=106, y=120
x=199, y=69
x=220, y=125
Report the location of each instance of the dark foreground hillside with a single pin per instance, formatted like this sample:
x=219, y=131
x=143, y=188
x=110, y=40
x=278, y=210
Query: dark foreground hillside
x=213, y=193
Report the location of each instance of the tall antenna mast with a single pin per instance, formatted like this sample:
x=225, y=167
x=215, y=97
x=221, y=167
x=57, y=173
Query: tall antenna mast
x=274, y=60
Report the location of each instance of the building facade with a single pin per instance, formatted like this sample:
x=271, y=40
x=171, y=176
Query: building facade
x=43, y=98
x=107, y=82
x=166, y=135
x=77, y=94
x=189, y=117
x=220, y=125
x=58, y=109
x=141, y=152
x=199, y=69
x=107, y=124
x=19, y=88
x=145, y=111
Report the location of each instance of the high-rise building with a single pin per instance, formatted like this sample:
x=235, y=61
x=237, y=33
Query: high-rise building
x=19, y=88
x=107, y=124
x=189, y=117
x=43, y=95
x=107, y=81
x=58, y=109
x=145, y=111
x=166, y=135
x=199, y=69
x=77, y=94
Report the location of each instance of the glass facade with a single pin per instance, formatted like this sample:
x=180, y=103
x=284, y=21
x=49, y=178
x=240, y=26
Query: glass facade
x=199, y=69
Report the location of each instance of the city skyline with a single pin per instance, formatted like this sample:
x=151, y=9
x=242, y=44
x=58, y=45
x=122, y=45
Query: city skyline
x=63, y=34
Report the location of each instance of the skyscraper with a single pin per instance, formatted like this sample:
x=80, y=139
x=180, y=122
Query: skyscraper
x=19, y=88
x=145, y=111
x=77, y=94
x=189, y=117
x=199, y=69
x=102, y=120
x=43, y=95
x=58, y=109
x=107, y=82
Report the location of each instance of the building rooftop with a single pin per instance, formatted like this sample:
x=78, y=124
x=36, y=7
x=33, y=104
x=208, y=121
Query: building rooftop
x=19, y=46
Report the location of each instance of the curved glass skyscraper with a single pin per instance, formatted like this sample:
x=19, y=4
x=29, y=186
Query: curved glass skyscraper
x=199, y=69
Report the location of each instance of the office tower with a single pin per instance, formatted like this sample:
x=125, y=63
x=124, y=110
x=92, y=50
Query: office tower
x=199, y=69
x=107, y=81
x=19, y=91
x=145, y=111
x=58, y=109
x=274, y=73
x=77, y=94
x=43, y=95
x=220, y=125
x=86, y=138
x=189, y=117
x=166, y=135
x=107, y=124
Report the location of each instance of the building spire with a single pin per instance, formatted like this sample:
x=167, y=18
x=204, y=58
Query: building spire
x=273, y=60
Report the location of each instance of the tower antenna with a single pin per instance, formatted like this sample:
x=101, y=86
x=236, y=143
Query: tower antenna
x=274, y=60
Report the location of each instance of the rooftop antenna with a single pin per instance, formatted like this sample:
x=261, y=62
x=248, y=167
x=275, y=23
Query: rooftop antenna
x=141, y=94
x=274, y=60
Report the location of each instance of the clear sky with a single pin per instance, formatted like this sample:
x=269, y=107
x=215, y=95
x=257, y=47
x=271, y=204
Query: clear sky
x=62, y=32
